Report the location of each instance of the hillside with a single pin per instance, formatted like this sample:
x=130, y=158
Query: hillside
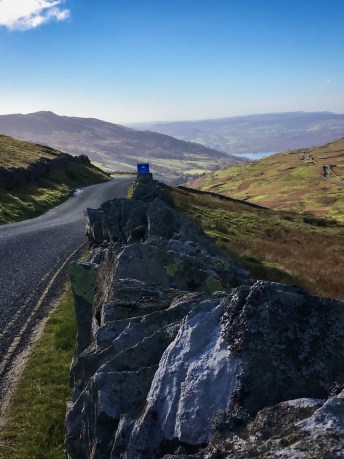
x=278, y=246
x=270, y=132
x=35, y=178
x=307, y=180
x=115, y=146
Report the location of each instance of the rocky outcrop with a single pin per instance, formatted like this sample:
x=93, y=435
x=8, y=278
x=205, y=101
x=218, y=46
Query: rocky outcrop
x=12, y=178
x=181, y=355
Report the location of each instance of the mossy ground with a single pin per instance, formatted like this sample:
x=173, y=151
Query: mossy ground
x=35, y=427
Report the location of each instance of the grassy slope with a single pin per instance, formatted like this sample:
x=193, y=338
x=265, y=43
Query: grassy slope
x=273, y=245
x=16, y=153
x=35, y=427
x=33, y=199
x=290, y=181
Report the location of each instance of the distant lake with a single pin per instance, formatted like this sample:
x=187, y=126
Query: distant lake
x=254, y=156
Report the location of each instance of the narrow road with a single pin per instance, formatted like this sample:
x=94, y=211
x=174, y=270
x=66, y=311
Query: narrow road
x=34, y=255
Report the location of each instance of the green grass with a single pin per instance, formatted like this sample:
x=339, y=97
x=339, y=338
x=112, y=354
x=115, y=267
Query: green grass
x=35, y=427
x=130, y=191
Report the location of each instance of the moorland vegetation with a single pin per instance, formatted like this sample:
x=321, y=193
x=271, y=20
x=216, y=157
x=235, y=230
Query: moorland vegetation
x=306, y=180
x=280, y=246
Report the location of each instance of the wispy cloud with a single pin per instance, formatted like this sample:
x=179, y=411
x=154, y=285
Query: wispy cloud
x=29, y=14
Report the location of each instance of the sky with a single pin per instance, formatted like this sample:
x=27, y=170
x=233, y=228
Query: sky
x=128, y=61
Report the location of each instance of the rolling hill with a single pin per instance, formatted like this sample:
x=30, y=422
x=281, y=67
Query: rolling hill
x=115, y=146
x=306, y=180
x=270, y=132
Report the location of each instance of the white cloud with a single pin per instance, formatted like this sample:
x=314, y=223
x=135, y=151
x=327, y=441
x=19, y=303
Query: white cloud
x=29, y=14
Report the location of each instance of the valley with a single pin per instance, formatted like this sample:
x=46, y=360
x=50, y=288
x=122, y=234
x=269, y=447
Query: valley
x=256, y=133
x=117, y=147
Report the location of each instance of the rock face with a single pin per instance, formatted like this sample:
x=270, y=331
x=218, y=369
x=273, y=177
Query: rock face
x=174, y=362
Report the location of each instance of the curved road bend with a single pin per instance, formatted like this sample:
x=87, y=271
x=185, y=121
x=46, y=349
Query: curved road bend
x=33, y=258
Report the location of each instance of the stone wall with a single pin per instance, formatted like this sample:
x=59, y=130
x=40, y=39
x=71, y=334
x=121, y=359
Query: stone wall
x=182, y=355
x=13, y=178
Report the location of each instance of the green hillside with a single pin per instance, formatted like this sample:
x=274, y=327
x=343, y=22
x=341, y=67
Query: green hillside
x=30, y=199
x=274, y=245
x=306, y=180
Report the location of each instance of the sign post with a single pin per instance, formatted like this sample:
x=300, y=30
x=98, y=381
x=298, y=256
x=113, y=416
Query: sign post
x=143, y=168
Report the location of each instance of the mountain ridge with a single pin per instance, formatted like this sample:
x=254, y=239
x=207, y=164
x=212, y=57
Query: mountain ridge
x=269, y=132
x=118, y=147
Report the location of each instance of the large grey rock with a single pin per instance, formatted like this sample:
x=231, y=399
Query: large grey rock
x=118, y=220
x=196, y=378
x=293, y=343
x=93, y=418
x=181, y=265
x=215, y=369
x=125, y=356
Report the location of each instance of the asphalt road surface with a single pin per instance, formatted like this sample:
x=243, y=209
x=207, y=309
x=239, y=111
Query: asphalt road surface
x=34, y=256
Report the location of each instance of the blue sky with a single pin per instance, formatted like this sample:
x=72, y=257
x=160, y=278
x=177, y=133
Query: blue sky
x=141, y=60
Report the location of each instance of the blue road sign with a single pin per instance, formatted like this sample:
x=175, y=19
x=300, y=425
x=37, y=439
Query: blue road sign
x=143, y=168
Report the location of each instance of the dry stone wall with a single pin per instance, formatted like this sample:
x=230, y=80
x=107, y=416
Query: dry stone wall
x=182, y=355
x=13, y=178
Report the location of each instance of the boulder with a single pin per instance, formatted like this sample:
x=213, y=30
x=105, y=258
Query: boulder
x=293, y=343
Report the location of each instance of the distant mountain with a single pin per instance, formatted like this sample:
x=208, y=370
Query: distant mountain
x=271, y=132
x=118, y=147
